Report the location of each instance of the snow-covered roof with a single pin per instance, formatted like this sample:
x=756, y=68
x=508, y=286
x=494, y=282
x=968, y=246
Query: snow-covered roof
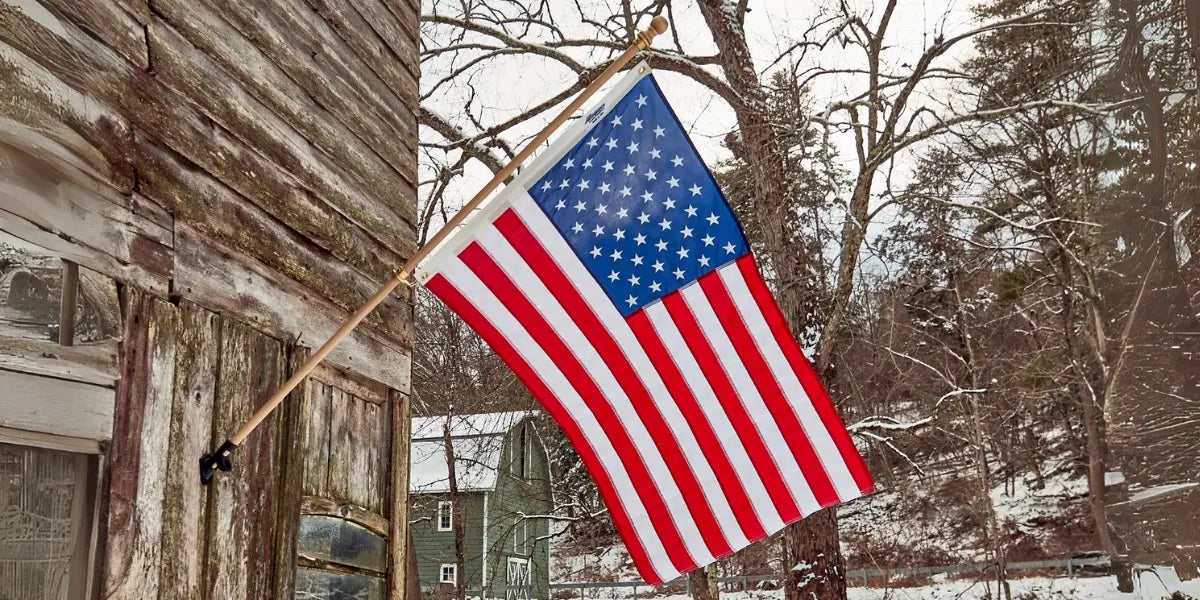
x=496, y=423
x=478, y=442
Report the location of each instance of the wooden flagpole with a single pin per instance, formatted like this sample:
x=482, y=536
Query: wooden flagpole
x=220, y=458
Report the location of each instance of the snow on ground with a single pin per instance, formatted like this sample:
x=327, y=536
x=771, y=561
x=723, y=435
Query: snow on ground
x=929, y=518
x=1024, y=504
x=608, y=564
x=1156, y=585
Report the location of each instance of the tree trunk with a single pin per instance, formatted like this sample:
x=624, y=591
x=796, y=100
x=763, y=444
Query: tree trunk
x=994, y=535
x=854, y=232
x=814, y=540
x=1092, y=407
x=813, y=558
x=703, y=583
x=1193, y=22
x=460, y=574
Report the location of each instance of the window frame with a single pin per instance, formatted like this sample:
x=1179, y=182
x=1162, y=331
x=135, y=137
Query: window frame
x=521, y=537
x=445, y=511
x=82, y=581
x=519, y=453
x=453, y=573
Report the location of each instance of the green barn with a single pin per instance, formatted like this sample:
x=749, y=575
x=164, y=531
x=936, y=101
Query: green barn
x=503, y=480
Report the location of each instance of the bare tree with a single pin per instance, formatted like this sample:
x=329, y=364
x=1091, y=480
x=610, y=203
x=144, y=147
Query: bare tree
x=1035, y=129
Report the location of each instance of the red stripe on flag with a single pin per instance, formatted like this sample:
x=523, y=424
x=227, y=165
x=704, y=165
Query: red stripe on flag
x=515, y=231
x=777, y=403
x=454, y=299
x=481, y=263
x=804, y=372
x=764, y=463
x=731, y=484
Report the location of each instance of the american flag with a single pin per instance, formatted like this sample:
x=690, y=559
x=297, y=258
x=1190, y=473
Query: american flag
x=614, y=279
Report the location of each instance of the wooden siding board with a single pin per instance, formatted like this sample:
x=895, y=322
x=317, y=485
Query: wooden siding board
x=291, y=481
x=209, y=206
x=167, y=116
x=104, y=225
x=36, y=403
x=183, y=543
x=109, y=22
x=347, y=54
x=316, y=440
x=399, y=539
x=312, y=53
x=401, y=42
x=194, y=76
x=206, y=270
x=62, y=88
x=258, y=160
x=94, y=363
x=359, y=36
x=242, y=510
x=146, y=263
x=237, y=86
x=41, y=136
x=138, y=455
x=355, y=140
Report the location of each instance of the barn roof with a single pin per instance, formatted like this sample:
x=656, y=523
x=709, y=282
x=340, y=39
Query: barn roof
x=478, y=442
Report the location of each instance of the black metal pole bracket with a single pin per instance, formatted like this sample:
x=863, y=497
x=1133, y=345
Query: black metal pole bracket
x=217, y=459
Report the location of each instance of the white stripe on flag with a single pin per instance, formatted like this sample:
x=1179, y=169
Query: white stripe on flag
x=606, y=312
x=532, y=288
x=469, y=285
x=735, y=449
x=785, y=376
x=750, y=397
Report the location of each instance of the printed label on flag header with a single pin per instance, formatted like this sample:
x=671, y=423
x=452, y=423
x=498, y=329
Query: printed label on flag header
x=638, y=205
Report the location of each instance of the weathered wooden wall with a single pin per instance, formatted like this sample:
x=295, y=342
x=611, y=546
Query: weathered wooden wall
x=246, y=172
x=187, y=376
x=258, y=159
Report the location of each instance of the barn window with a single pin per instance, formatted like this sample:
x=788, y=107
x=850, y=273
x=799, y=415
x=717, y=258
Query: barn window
x=46, y=514
x=521, y=536
x=520, y=459
x=445, y=516
x=448, y=573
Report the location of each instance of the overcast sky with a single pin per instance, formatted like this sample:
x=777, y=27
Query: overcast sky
x=513, y=84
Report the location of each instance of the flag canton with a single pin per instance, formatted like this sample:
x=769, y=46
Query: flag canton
x=638, y=205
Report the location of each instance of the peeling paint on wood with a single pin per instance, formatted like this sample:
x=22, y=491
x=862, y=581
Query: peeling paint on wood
x=138, y=455
x=242, y=503
x=399, y=584
x=196, y=359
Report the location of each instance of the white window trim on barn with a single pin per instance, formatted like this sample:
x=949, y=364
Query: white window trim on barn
x=448, y=573
x=445, y=514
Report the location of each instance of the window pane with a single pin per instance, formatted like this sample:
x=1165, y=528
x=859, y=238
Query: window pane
x=321, y=585
x=338, y=540
x=37, y=488
x=31, y=281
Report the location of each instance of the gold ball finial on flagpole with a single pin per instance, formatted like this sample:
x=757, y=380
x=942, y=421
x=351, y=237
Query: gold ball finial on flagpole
x=657, y=27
